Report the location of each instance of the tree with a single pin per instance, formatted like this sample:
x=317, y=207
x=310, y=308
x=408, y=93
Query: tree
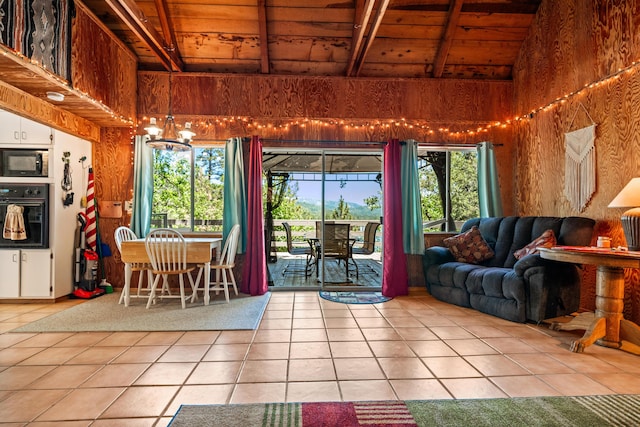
x=342, y=210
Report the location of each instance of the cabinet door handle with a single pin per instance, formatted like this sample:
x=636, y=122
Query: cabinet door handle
x=16, y=135
x=24, y=257
x=15, y=257
x=24, y=135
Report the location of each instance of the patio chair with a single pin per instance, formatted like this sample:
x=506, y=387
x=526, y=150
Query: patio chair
x=223, y=268
x=291, y=268
x=336, y=244
x=368, y=245
x=123, y=234
x=167, y=251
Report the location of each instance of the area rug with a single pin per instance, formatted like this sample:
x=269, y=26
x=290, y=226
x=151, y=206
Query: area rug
x=354, y=297
x=105, y=314
x=611, y=410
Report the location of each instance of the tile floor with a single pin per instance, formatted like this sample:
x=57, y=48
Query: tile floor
x=305, y=349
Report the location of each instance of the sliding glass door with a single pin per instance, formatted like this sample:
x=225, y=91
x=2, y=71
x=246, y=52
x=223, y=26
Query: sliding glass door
x=323, y=219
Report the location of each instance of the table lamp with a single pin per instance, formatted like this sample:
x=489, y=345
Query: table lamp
x=629, y=197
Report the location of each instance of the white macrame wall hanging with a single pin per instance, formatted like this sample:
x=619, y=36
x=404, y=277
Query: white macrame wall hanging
x=580, y=164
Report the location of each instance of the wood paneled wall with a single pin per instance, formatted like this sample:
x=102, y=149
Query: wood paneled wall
x=572, y=47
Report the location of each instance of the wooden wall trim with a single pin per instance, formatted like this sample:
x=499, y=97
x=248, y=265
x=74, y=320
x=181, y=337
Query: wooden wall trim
x=26, y=105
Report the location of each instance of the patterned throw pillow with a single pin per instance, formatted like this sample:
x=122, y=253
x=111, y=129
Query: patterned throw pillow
x=469, y=247
x=546, y=240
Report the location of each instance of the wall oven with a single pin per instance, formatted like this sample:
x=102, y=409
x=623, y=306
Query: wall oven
x=34, y=200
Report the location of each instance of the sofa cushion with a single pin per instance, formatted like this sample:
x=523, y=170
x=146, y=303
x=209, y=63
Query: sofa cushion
x=469, y=247
x=545, y=240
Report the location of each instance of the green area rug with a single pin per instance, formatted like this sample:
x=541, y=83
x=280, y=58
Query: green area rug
x=582, y=411
x=354, y=297
x=105, y=314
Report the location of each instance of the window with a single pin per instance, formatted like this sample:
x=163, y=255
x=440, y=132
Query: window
x=448, y=188
x=188, y=189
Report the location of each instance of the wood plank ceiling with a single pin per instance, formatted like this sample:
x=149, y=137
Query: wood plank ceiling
x=475, y=39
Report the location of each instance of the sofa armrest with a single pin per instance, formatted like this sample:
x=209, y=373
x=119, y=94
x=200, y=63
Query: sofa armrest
x=527, y=262
x=437, y=255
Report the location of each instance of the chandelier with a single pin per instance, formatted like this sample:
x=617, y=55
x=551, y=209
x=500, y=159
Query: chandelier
x=168, y=137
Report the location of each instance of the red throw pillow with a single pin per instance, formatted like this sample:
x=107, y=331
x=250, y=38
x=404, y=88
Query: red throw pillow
x=546, y=240
x=469, y=247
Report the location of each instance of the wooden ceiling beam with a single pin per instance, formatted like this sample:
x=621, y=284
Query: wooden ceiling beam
x=362, y=16
x=138, y=23
x=169, y=33
x=264, y=37
x=447, y=37
x=373, y=30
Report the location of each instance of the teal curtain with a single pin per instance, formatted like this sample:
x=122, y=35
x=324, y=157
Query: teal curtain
x=412, y=234
x=142, y=187
x=235, y=192
x=488, y=187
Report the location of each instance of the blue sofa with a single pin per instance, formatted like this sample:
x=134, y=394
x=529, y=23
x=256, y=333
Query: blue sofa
x=529, y=289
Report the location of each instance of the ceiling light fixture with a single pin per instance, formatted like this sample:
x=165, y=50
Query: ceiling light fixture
x=169, y=138
x=55, y=96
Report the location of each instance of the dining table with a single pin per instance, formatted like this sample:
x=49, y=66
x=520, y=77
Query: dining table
x=199, y=251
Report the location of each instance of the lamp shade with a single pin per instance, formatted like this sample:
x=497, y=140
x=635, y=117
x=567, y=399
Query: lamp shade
x=629, y=197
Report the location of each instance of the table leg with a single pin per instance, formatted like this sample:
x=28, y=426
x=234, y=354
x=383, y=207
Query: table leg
x=207, y=281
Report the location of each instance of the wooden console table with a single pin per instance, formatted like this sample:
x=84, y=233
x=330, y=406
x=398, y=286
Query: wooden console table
x=606, y=327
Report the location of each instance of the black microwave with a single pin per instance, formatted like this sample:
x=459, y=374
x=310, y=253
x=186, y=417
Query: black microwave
x=24, y=162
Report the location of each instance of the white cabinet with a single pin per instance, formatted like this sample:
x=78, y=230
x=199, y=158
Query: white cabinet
x=26, y=273
x=19, y=130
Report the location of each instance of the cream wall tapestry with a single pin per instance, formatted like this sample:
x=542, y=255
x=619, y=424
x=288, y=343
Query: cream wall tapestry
x=580, y=164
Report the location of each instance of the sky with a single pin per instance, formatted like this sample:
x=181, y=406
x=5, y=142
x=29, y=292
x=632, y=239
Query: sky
x=353, y=191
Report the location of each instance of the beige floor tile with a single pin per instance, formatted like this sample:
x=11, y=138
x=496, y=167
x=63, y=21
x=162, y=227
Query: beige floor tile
x=215, y=373
x=451, y=332
x=14, y=355
x=622, y=383
x=450, y=367
x=524, y=386
x=414, y=334
x=259, y=393
x=350, y=349
x=235, y=337
x=222, y=352
x=575, y=384
x=431, y=348
x=404, y=368
x=118, y=375
x=363, y=311
x=65, y=377
x=309, y=350
x=184, y=353
x=160, y=338
x=306, y=324
x=304, y=335
x=391, y=349
x=280, y=306
x=166, y=374
x=142, y=354
x=19, y=377
x=272, y=335
x=82, y=404
x=537, y=363
x=338, y=314
x=585, y=363
x=358, y=369
x=509, y=345
x=416, y=389
x=263, y=371
x=96, y=355
x=345, y=335
x=404, y=322
x=43, y=340
x=122, y=338
x=381, y=334
x=53, y=356
x=7, y=340
x=283, y=323
x=486, y=331
x=277, y=314
x=496, y=365
x=311, y=370
x=366, y=390
x=25, y=405
x=302, y=313
x=372, y=322
x=434, y=320
x=83, y=339
x=266, y=351
x=318, y=391
x=340, y=322
x=468, y=347
x=198, y=337
x=126, y=422
x=210, y=394
x=141, y=402
x=472, y=388
x=302, y=305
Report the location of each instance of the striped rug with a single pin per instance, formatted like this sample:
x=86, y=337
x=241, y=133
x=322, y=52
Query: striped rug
x=611, y=410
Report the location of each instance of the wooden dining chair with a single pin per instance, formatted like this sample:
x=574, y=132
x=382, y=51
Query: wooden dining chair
x=123, y=234
x=167, y=251
x=223, y=268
